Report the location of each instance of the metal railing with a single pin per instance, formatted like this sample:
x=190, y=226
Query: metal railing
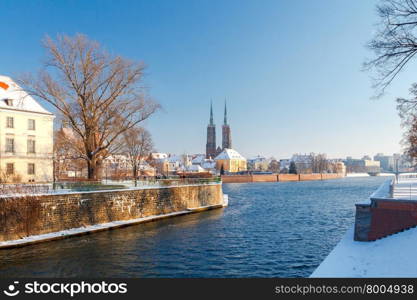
x=89, y=186
x=171, y=182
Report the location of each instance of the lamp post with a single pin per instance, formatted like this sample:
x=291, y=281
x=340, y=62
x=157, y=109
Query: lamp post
x=396, y=168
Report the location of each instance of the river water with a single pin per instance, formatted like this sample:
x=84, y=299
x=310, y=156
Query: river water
x=268, y=230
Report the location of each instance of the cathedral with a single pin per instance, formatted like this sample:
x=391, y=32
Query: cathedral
x=211, y=150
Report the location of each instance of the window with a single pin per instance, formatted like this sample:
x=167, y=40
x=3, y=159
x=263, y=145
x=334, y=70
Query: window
x=10, y=145
x=10, y=122
x=31, y=146
x=31, y=169
x=9, y=102
x=10, y=168
x=31, y=124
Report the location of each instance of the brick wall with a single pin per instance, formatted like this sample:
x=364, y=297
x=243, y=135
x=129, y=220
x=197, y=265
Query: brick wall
x=21, y=217
x=236, y=178
x=277, y=177
x=332, y=176
x=288, y=177
x=264, y=178
x=384, y=217
x=307, y=177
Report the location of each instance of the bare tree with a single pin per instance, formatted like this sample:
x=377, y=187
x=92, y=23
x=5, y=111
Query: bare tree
x=407, y=109
x=395, y=41
x=68, y=151
x=98, y=94
x=273, y=166
x=137, y=146
x=319, y=162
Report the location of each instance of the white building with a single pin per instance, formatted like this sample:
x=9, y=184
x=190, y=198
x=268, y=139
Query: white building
x=26, y=136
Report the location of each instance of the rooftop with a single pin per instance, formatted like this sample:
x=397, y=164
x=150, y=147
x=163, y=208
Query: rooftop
x=229, y=154
x=21, y=100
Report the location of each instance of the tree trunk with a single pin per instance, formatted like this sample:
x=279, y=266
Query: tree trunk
x=92, y=169
x=135, y=174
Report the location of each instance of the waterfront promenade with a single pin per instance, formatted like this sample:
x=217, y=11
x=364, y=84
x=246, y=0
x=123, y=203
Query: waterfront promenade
x=405, y=187
x=383, y=240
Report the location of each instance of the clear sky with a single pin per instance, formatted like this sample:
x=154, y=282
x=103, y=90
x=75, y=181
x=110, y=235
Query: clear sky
x=290, y=70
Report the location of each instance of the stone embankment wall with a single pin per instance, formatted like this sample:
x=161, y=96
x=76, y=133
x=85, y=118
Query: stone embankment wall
x=21, y=217
x=277, y=177
x=383, y=217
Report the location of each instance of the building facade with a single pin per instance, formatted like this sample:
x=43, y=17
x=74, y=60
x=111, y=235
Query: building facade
x=386, y=162
x=26, y=136
x=230, y=161
x=361, y=165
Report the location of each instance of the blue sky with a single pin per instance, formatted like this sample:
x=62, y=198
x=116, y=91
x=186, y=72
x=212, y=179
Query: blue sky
x=291, y=70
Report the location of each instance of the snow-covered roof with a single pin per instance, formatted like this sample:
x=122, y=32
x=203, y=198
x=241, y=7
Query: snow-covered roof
x=229, y=154
x=157, y=155
x=257, y=159
x=208, y=164
x=198, y=159
x=20, y=100
x=195, y=168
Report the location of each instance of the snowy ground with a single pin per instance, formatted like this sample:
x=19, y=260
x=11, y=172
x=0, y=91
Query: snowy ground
x=405, y=188
x=357, y=175
x=393, y=256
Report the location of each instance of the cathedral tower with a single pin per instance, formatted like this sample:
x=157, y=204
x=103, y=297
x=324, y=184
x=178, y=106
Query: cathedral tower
x=226, y=133
x=211, y=136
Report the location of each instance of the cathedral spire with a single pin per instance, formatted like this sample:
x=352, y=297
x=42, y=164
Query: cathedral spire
x=226, y=132
x=211, y=113
x=225, y=112
x=211, y=136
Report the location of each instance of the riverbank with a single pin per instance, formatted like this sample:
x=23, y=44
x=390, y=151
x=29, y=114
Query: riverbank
x=382, y=241
x=278, y=177
x=33, y=219
x=268, y=230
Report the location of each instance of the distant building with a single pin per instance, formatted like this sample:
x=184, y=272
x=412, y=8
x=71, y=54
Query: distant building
x=258, y=163
x=361, y=165
x=157, y=155
x=231, y=161
x=198, y=159
x=207, y=164
x=340, y=168
x=195, y=169
x=386, y=162
x=159, y=161
x=302, y=162
x=26, y=136
x=284, y=164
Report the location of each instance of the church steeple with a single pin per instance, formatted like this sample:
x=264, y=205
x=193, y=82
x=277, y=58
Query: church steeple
x=225, y=112
x=211, y=136
x=211, y=113
x=226, y=132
